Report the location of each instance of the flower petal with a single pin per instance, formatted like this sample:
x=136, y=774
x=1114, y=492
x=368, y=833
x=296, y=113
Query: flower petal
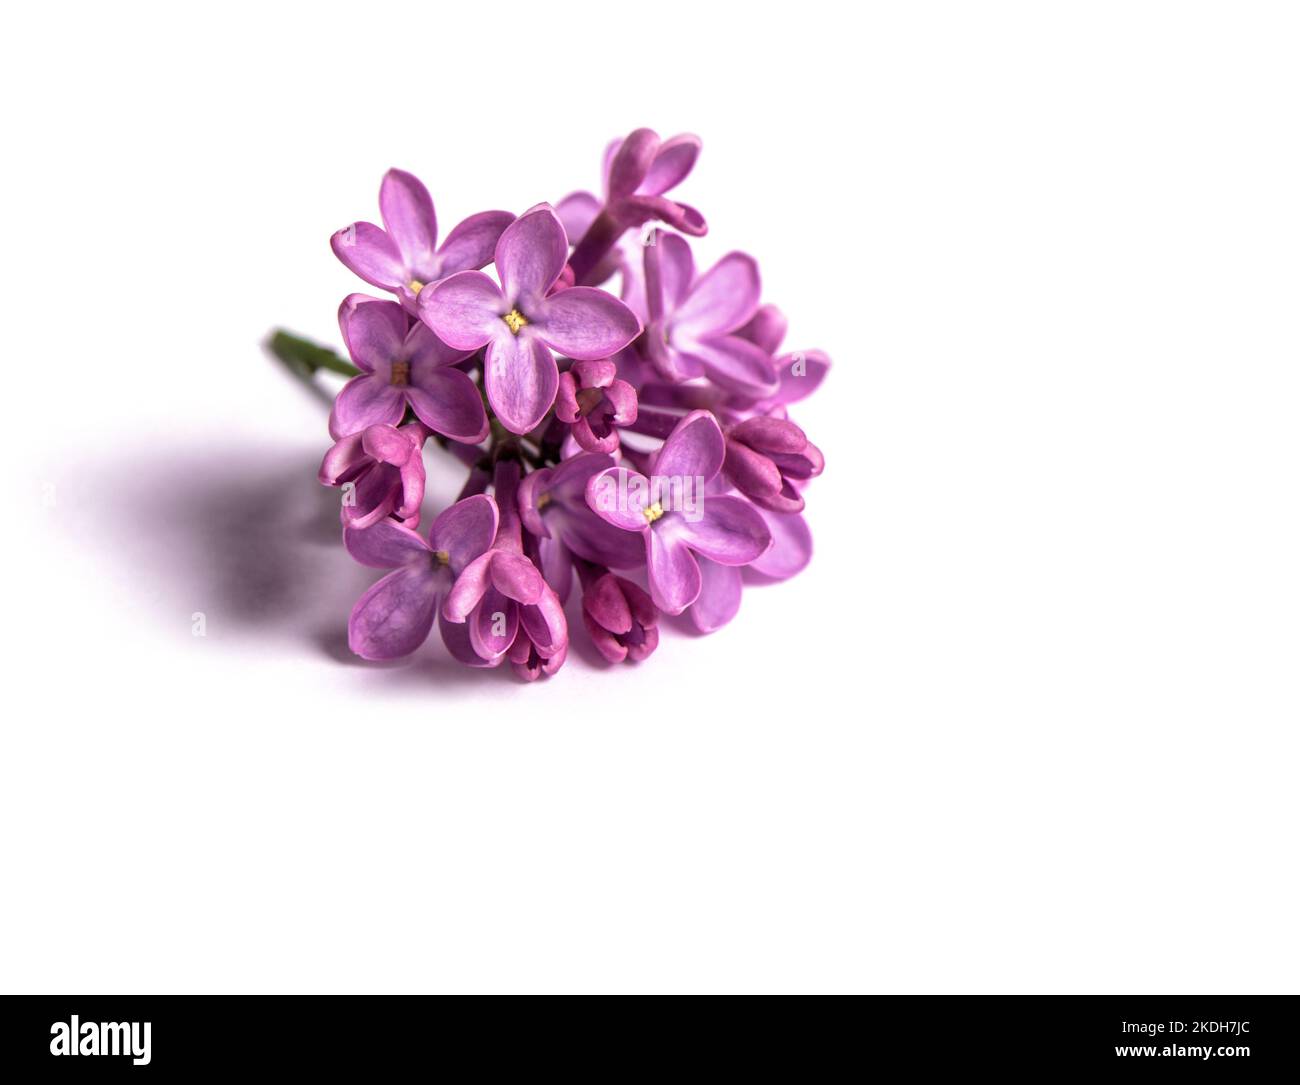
x=394, y=617
x=791, y=546
x=766, y=328
x=585, y=323
x=736, y=365
x=424, y=350
x=673, y=572
x=373, y=330
x=386, y=545
x=448, y=402
x=465, y=530
x=531, y=253
x=669, y=272
x=800, y=373
x=521, y=378
x=631, y=162
x=695, y=448
x=619, y=497
x=471, y=244
x=723, y=299
x=719, y=599
x=464, y=310
x=730, y=531
x=577, y=211
x=365, y=401
x=515, y=577
x=493, y=625
x=370, y=253
x=674, y=159
x=407, y=211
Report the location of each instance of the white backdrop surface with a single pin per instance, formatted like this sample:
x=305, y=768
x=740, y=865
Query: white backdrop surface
x=1027, y=723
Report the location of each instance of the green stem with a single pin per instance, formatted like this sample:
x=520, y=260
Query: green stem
x=305, y=357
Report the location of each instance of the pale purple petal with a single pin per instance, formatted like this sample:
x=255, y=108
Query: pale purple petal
x=766, y=328
x=673, y=572
x=374, y=331
x=577, y=212
x=669, y=272
x=630, y=163
x=723, y=299
x=448, y=402
x=493, y=625
x=407, y=211
x=521, y=378
x=455, y=635
x=719, y=599
x=516, y=577
x=585, y=323
x=791, y=546
x=730, y=531
x=531, y=254
x=545, y=623
x=472, y=243
x=800, y=373
x=464, y=310
x=386, y=545
x=695, y=448
x=736, y=365
x=619, y=497
x=364, y=401
x=344, y=456
x=370, y=253
x=465, y=530
x=674, y=159
x=394, y=617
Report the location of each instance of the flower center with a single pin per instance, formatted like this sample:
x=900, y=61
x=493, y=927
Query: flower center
x=442, y=557
x=400, y=375
x=514, y=320
x=653, y=512
x=415, y=286
x=589, y=399
x=543, y=501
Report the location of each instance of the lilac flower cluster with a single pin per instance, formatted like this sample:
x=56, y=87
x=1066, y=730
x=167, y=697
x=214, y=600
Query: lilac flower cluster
x=637, y=443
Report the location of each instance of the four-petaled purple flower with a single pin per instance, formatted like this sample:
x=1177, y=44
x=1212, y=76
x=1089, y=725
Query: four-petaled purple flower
x=676, y=518
x=594, y=401
x=403, y=364
x=404, y=256
x=394, y=617
x=691, y=321
x=521, y=321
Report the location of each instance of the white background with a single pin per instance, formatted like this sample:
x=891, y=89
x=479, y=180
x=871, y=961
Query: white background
x=1028, y=723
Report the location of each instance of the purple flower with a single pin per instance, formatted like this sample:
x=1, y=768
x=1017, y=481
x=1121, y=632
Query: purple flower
x=763, y=455
x=520, y=322
x=403, y=365
x=553, y=507
x=385, y=469
x=501, y=593
x=404, y=256
x=690, y=321
x=671, y=512
x=394, y=617
x=621, y=618
x=593, y=401
x=640, y=169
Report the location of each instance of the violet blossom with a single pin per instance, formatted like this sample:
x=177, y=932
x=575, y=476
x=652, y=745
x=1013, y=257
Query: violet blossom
x=404, y=256
x=403, y=364
x=643, y=444
x=522, y=320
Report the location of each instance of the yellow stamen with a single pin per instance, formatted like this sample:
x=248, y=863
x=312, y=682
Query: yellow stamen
x=415, y=286
x=654, y=512
x=514, y=320
x=401, y=374
x=543, y=501
x=442, y=557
